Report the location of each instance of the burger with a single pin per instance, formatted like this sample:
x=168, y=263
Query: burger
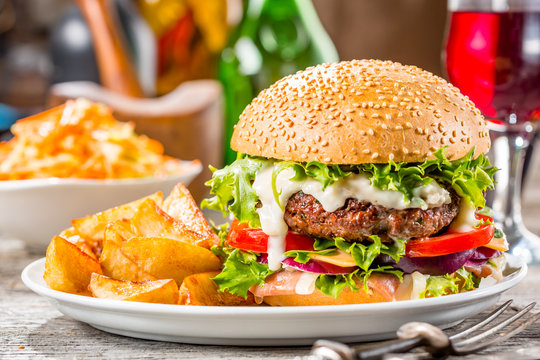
x=356, y=182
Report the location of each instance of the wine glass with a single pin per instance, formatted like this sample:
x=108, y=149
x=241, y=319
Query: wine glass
x=492, y=54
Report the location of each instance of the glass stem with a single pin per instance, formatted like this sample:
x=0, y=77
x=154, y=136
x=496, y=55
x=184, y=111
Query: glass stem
x=509, y=147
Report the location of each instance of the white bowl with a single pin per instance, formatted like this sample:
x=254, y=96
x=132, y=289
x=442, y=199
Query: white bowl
x=36, y=210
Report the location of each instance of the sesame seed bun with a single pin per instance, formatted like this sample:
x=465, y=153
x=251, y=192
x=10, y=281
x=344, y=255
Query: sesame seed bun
x=360, y=111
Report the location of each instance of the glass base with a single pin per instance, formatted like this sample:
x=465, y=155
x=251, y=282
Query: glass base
x=524, y=244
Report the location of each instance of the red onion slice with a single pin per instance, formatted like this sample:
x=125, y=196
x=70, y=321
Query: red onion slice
x=312, y=266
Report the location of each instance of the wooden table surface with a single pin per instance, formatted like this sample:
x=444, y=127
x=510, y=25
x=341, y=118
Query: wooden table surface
x=30, y=327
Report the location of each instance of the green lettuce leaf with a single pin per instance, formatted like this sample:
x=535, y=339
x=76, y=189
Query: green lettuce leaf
x=333, y=285
x=498, y=233
x=486, y=210
x=380, y=269
x=447, y=284
x=325, y=174
x=363, y=254
x=240, y=272
x=468, y=177
x=233, y=192
x=469, y=280
x=303, y=256
x=402, y=177
x=440, y=285
x=221, y=250
x=323, y=244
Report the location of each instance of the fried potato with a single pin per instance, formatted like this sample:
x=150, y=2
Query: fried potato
x=68, y=268
x=200, y=289
x=181, y=206
x=92, y=227
x=113, y=261
x=150, y=220
x=73, y=237
x=158, y=291
x=168, y=258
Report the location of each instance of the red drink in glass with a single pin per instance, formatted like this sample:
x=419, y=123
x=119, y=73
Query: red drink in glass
x=494, y=58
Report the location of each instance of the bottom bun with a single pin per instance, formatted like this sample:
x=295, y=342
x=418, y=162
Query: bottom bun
x=347, y=296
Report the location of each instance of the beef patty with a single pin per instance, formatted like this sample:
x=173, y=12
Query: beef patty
x=357, y=220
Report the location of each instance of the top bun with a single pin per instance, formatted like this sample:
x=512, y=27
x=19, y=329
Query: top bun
x=360, y=111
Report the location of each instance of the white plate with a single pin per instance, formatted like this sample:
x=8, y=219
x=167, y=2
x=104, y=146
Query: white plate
x=267, y=325
x=35, y=210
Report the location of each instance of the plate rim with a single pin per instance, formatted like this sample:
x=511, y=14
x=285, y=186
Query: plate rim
x=508, y=282
x=192, y=169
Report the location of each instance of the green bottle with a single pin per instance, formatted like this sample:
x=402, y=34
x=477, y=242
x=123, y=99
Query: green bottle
x=275, y=38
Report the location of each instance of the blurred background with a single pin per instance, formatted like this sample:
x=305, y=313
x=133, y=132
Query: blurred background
x=173, y=53
x=43, y=42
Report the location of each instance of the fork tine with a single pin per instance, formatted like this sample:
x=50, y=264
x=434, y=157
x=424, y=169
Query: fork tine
x=493, y=329
x=503, y=335
x=489, y=318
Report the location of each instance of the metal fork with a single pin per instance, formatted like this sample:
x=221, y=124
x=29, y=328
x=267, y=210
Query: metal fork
x=436, y=342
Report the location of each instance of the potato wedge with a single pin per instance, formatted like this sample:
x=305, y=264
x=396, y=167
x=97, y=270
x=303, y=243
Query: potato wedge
x=68, y=268
x=92, y=228
x=151, y=221
x=200, y=289
x=113, y=261
x=73, y=237
x=158, y=291
x=168, y=258
x=181, y=206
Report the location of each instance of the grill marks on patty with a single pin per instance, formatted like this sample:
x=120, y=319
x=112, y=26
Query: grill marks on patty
x=357, y=220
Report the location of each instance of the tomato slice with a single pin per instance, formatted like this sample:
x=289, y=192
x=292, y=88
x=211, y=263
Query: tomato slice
x=450, y=243
x=241, y=236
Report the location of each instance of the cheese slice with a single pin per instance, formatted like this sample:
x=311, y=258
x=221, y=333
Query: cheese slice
x=498, y=244
x=339, y=258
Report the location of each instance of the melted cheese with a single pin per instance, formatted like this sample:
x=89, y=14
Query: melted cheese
x=340, y=258
x=465, y=219
x=500, y=244
x=355, y=186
